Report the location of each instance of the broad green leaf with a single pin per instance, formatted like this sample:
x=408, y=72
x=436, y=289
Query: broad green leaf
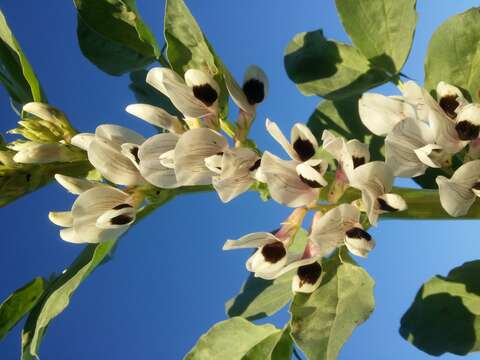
x=324, y=320
x=57, y=296
x=329, y=68
x=278, y=346
x=233, y=339
x=188, y=48
x=381, y=29
x=258, y=297
x=445, y=315
x=16, y=73
x=112, y=35
x=453, y=54
x=145, y=94
x=341, y=118
x=14, y=308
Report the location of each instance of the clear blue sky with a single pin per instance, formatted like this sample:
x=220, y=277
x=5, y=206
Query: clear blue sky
x=169, y=279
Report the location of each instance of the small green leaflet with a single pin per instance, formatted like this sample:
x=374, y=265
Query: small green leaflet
x=381, y=29
x=16, y=73
x=328, y=68
x=322, y=321
x=239, y=339
x=14, y=308
x=259, y=298
x=445, y=315
x=453, y=54
x=113, y=36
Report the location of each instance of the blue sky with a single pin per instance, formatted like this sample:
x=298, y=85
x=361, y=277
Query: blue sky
x=169, y=279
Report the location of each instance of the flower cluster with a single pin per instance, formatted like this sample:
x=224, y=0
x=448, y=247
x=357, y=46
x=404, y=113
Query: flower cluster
x=192, y=151
x=422, y=133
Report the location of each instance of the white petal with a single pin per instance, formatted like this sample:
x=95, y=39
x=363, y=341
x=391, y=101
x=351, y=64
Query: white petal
x=394, y=202
x=401, y=144
x=190, y=152
x=194, y=77
x=151, y=166
x=354, y=154
x=167, y=159
x=237, y=94
x=253, y=240
x=293, y=261
x=83, y=140
x=76, y=185
x=469, y=113
x=70, y=236
x=214, y=163
x=303, y=142
x=118, y=134
x=37, y=153
x=171, y=84
x=43, y=111
x=334, y=145
x=156, y=116
x=284, y=184
x=61, y=218
x=444, y=89
x=263, y=268
x=467, y=174
x=425, y=155
x=130, y=151
x=455, y=198
x=310, y=175
x=117, y=218
x=105, y=155
x=277, y=134
x=380, y=113
x=359, y=242
x=303, y=284
x=375, y=173
x=415, y=95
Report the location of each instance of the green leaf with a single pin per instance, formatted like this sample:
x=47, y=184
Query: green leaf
x=341, y=118
x=381, y=29
x=112, y=35
x=258, y=297
x=324, y=320
x=57, y=296
x=188, y=48
x=329, y=68
x=16, y=73
x=445, y=315
x=453, y=54
x=14, y=308
x=145, y=94
x=236, y=339
x=278, y=346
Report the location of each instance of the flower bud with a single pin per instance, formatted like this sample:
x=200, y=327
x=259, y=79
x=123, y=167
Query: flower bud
x=36, y=153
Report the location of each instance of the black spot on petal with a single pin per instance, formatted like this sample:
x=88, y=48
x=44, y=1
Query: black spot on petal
x=476, y=186
x=304, y=149
x=205, y=93
x=122, y=206
x=120, y=219
x=274, y=252
x=309, y=274
x=357, y=233
x=449, y=104
x=311, y=183
x=357, y=161
x=254, y=91
x=256, y=165
x=383, y=205
x=134, y=152
x=466, y=130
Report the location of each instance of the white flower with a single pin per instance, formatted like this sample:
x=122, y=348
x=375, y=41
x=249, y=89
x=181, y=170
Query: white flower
x=340, y=226
x=99, y=213
x=235, y=170
x=195, y=97
x=37, y=153
x=156, y=171
x=302, y=146
x=190, y=153
x=349, y=154
x=292, y=183
x=458, y=193
x=375, y=180
x=157, y=117
x=104, y=149
x=468, y=122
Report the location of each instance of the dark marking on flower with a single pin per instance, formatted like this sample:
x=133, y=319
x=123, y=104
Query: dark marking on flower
x=274, y=252
x=28, y=177
x=476, y=186
x=357, y=161
x=205, y=93
x=256, y=165
x=312, y=183
x=466, y=130
x=120, y=219
x=254, y=91
x=304, y=149
x=383, y=205
x=309, y=274
x=357, y=233
x=134, y=152
x=220, y=153
x=449, y=104
x=122, y=206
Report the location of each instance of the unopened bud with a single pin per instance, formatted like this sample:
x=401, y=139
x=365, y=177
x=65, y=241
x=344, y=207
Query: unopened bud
x=36, y=153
